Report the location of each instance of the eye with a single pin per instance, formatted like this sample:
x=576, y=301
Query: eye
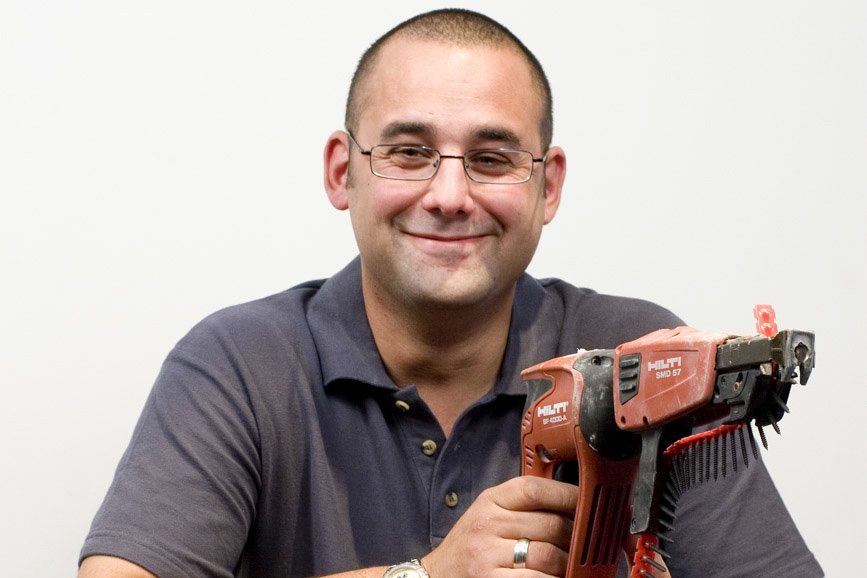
x=490, y=158
x=406, y=157
x=494, y=162
x=409, y=152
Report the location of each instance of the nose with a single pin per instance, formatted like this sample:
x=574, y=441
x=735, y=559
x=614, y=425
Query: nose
x=449, y=189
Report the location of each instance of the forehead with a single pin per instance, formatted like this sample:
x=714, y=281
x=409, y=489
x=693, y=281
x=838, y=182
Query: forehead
x=451, y=91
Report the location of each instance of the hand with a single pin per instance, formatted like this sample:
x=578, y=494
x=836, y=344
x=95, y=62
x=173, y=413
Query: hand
x=482, y=542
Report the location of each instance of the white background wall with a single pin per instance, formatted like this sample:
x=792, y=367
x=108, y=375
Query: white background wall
x=162, y=159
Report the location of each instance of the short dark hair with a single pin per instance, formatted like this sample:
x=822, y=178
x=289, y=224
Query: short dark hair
x=463, y=28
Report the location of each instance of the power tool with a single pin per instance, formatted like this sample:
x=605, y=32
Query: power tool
x=620, y=423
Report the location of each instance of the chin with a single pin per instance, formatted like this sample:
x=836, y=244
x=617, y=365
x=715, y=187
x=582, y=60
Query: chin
x=454, y=292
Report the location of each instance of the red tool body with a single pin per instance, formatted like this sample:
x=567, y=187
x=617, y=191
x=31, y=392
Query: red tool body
x=604, y=419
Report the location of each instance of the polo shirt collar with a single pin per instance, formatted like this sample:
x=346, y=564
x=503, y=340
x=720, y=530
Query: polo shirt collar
x=338, y=323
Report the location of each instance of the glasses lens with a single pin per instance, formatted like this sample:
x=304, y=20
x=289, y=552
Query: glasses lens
x=499, y=165
x=404, y=162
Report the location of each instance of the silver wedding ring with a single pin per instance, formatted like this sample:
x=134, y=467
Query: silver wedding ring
x=521, y=548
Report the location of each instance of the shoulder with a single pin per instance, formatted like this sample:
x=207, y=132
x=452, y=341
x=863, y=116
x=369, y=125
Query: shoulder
x=259, y=328
x=597, y=320
x=289, y=305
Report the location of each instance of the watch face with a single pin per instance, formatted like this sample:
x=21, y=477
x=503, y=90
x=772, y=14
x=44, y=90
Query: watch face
x=406, y=570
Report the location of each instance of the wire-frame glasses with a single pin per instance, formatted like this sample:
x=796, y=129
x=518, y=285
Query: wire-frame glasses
x=420, y=163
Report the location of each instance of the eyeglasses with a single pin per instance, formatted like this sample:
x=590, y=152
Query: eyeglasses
x=420, y=163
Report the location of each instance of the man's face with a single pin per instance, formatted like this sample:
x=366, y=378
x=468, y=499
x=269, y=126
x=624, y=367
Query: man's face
x=448, y=242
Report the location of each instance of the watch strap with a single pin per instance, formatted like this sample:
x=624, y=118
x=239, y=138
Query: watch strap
x=410, y=569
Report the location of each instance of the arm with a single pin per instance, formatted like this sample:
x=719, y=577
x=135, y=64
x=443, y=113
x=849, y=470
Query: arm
x=168, y=475
x=481, y=543
x=186, y=495
x=111, y=567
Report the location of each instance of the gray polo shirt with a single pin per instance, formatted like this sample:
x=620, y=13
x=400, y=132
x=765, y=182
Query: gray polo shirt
x=274, y=444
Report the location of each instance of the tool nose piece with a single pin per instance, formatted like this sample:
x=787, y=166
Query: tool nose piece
x=805, y=362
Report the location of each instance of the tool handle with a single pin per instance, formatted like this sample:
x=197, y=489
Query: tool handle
x=552, y=436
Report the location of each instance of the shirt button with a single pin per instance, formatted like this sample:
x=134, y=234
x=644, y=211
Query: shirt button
x=429, y=447
x=451, y=499
x=401, y=405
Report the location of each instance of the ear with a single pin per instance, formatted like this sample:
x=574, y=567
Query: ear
x=336, y=157
x=555, y=174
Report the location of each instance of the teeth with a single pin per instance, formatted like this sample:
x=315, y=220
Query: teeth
x=663, y=537
x=654, y=563
x=776, y=397
x=692, y=465
x=670, y=498
x=665, y=525
x=776, y=427
x=681, y=479
x=658, y=550
x=668, y=511
x=687, y=471
x=734, y=454
x=744, y=446
x=671, y=490
x=715, y=458
x=678, y=475
x=752, y=442
x=707, y=461
x=762, y=435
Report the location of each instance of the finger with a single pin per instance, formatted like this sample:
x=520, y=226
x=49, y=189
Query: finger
x=541, y=557
x=540, y=526
x=528, y=493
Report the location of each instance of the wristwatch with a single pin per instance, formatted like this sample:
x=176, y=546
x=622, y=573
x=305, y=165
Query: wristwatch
x=411, y=569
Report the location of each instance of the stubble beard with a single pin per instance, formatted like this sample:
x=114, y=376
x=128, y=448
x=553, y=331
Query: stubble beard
x=405, y=280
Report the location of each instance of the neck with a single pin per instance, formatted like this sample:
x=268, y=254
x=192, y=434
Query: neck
x=452, y=356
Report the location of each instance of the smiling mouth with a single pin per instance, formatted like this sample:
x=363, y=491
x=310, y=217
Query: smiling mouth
x=452, y=245
x=446, y=238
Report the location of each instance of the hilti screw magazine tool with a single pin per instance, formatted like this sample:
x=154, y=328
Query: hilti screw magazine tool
x=621, y=422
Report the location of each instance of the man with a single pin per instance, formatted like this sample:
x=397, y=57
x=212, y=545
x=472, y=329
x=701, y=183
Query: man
x=373, y=419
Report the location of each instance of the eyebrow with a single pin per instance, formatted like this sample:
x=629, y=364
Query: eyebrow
x=400, y=128
x=503, y=135
x=415, y=128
